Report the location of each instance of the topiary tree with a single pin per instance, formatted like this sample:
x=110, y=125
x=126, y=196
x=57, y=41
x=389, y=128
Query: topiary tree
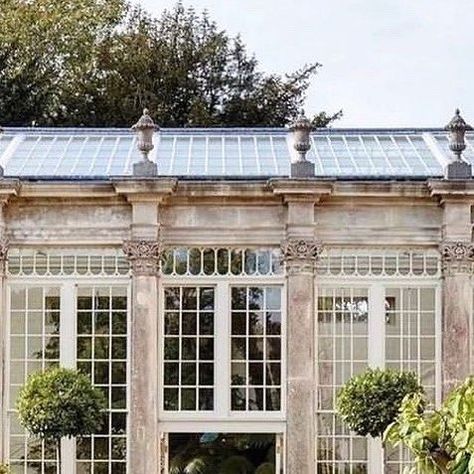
x=60, y=403
x=441, y=441
x=369, y=402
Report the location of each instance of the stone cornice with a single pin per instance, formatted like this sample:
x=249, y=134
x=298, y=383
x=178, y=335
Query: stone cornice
x=458, y=190
x=8, y=189
x=300, y=254
x=457, y=257
x=381, y=189
x=144, y=256
x=301, y=189
x=145, y=190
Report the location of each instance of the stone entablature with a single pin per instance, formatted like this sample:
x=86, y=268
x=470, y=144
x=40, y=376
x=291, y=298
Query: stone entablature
x=457, y=257
x=144, y=256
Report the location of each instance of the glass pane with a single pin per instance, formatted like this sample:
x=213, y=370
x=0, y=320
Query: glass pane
x=188, y=349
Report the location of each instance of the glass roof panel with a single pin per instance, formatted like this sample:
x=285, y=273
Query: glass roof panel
x=225, y=152
x=443, y=143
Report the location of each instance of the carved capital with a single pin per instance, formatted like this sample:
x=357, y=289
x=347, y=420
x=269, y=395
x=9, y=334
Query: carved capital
x=300, y=254
x=457, y=257
x=144, y=256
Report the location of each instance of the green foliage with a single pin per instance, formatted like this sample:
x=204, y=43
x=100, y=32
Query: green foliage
x=4, y=469
x=99, y=62
x=266, y=468
x=60, y=403
x=369, y=402
x=442, y=441
x=222, y=454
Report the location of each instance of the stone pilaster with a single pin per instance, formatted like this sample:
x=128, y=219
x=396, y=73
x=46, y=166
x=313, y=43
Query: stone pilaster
x=3, y=389
x=144, y=252
x=144, y=256
x=300, y=255
x=457, y=261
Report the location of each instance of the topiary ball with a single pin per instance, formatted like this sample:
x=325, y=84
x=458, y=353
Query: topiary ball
x=60, y=403
x=369, y=402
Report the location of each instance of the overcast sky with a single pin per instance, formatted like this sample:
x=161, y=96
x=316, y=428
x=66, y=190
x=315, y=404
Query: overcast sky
x=387, y=63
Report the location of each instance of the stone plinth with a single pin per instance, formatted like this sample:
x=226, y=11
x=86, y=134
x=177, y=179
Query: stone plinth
x=145, y=168
x=458, y=170
x=302, y=169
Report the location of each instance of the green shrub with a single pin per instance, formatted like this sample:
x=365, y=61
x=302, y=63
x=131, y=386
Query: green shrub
x=369, y=402
x=4, y=469
x=60, y=403
x=441, y=441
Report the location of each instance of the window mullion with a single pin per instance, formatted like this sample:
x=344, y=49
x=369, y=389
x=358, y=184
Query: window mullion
x=68, y=359
x=376, y=353
x=376, y=345
x=222, y=350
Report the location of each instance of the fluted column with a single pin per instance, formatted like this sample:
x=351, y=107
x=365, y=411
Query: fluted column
x=458, y=258
x=144, y=257
x=300, y=255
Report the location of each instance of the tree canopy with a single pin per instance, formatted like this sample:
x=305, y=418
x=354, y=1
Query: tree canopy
x=99, y=62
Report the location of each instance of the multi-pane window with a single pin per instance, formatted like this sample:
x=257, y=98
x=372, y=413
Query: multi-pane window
x=380, y=325
x=256, y=348
x=222, y=348
x=34, y=346
x=189, y=348
x=342, y=352
x=70, y=325
x=102, y=354
x=410, y=344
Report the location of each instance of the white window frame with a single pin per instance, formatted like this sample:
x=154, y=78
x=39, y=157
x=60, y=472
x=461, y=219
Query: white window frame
x=376, y=286
x=67, y=340
x=222, y=418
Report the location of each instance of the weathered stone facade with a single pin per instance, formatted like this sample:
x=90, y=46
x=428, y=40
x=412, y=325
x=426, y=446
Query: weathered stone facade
x=303, y=217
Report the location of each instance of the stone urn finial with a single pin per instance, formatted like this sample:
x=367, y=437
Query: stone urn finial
x=145, y=128
x=301, y=130
x=457, y=129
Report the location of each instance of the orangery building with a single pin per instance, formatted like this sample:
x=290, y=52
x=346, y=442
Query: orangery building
x=220, y=285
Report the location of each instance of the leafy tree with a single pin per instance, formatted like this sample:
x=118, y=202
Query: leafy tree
x=441, y=441
x=60, y=403
x=47, y=47
x=369, y=402
x=97, y=62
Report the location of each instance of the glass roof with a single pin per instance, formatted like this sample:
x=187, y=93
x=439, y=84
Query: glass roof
x=101, y=153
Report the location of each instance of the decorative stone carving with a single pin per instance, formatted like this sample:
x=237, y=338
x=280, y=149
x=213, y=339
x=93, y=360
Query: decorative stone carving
x=300, y=254
x=144, y=256
x=4, y=245
x=457, y=257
